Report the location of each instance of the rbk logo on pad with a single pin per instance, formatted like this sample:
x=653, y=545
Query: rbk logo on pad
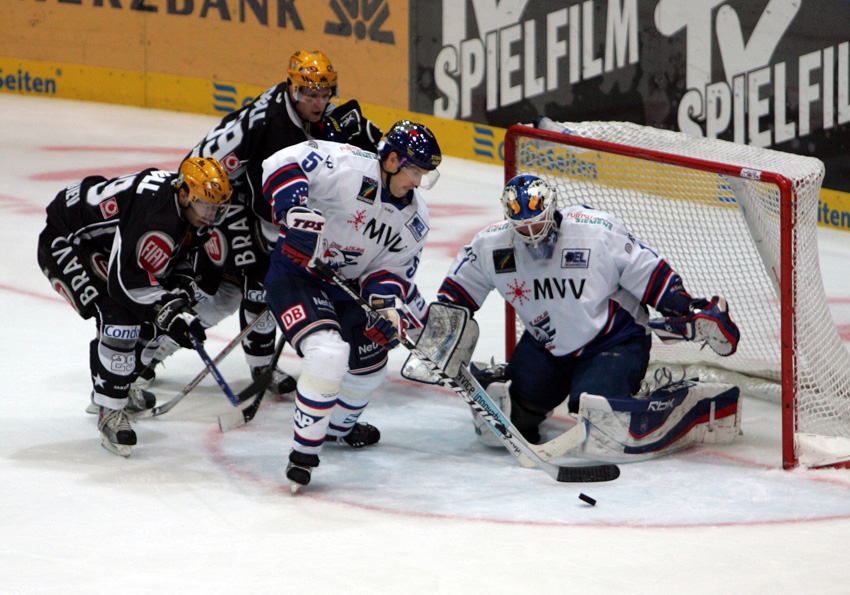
x=575, y=258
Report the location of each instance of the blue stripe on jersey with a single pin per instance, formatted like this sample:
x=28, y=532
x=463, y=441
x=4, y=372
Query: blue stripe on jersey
x=285, y=188
x=661, y=279
x=385, y=283
x=453, y=293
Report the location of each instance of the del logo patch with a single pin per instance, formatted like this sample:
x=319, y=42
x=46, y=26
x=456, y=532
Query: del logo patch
x=368, y=191
x=154, y=252
x=575, y=258
x=216, y=247
x=504, y=261
x=417, y=227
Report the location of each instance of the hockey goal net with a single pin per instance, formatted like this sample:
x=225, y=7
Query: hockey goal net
x=732, y=220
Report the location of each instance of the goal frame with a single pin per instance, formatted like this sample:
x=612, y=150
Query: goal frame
x=786, y=281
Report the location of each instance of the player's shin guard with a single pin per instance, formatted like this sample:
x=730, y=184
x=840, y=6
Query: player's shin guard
x=324, y=365
x=354, y=397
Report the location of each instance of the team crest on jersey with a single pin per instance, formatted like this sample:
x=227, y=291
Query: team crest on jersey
x=337, y=258
x=504, y=260
x=154, y=251
x=109, y=208
x=216, y=247
x=368, y=191
x=541, y=328
x=417, y=227
x=575, y=258
x=100, y=265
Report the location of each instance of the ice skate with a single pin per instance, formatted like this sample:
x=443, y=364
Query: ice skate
x=280, y=384
x=361, y=435
x=139, y=400
x=116, y=434
x=299, y=469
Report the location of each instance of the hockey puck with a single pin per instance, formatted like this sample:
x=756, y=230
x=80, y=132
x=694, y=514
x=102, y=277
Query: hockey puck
x=586, y=498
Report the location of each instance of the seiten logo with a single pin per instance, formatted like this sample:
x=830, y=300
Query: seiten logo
x=26, y=83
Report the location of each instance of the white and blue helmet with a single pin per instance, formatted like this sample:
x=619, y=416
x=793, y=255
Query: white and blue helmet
x=529, y=204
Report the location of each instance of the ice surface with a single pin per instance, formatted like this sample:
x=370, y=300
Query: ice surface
x=428, y=510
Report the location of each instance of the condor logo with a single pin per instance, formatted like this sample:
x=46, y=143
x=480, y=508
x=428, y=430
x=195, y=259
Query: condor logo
x=109, y=208
x=154, y=252
x=216, y=247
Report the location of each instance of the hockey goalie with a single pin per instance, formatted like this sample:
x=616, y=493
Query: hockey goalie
x=581, y=284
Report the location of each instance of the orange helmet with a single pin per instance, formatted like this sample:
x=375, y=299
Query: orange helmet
x=312, y=70
x=205, y=179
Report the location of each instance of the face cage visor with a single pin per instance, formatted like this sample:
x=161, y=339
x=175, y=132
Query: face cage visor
x=210, y=214
x=422, y=178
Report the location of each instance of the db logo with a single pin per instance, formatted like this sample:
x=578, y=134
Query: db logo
x=293, y=316
x=231, y=163
x=109, y=208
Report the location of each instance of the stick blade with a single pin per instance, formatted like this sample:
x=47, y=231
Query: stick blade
x=588, y=474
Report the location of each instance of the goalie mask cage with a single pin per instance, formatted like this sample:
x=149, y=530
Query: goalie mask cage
x=732, y=220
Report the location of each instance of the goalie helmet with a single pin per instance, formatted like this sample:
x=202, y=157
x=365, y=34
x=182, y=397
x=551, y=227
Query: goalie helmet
x=312, y=70
x=529, y=204
x=208, y=187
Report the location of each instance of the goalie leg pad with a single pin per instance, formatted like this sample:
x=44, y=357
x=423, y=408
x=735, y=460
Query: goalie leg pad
x=671, y=419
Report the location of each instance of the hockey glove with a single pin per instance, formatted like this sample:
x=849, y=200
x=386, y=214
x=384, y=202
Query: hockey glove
x=359, y=131
x=707, y=322
x=178, y=321
x=386, y=328
x=304, y=230
x=329, y=129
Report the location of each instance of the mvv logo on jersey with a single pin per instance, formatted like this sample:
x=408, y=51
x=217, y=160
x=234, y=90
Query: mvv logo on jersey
x=575, y=258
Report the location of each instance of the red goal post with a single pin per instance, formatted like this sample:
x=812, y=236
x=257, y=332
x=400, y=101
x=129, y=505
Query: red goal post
x=733, y=220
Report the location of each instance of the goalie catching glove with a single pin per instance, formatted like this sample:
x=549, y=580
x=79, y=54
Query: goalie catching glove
x=706, y=322
x=178, y=321
x=304, y=230
x=387, y=328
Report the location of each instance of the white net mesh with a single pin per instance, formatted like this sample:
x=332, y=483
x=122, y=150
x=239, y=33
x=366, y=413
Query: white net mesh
x=721, y=233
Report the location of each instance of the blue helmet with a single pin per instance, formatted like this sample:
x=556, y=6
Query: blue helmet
x=528, y=201
x=414, y=143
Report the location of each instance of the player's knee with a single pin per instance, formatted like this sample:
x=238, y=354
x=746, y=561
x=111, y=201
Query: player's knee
x=325, y=355
x=360, y=386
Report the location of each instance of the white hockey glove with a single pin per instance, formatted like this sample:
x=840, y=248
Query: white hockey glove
x=707, y=323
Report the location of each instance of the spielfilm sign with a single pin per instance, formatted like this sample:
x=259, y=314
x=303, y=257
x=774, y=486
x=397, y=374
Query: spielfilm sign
x=769, y=73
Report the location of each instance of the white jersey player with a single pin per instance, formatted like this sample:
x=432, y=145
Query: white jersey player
x=360, y=213
x=580, y=283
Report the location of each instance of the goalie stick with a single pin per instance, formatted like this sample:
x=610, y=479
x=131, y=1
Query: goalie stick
x=470, y=391
x=246, y=411
x=170, y=404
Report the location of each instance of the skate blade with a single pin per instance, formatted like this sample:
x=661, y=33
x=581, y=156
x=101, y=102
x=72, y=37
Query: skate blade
x=123, y=450
x=294, y=487
x=92, y=408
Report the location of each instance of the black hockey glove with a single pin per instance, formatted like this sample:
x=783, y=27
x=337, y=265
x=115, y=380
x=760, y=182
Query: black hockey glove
x=178, y=321
x=360, y=131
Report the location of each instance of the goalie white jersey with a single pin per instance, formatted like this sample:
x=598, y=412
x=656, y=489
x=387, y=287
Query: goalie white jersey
x=587, y=295
x=366, y=237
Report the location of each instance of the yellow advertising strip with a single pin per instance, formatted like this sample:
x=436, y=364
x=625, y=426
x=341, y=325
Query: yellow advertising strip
x=185, y=94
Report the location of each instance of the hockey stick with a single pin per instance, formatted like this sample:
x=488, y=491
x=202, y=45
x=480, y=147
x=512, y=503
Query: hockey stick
x=234, y=419
x=170, y=404
x=196, y=345
x=470, y=391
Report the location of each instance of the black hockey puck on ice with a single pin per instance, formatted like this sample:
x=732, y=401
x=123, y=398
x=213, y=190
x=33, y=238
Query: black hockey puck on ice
x=586, y=498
